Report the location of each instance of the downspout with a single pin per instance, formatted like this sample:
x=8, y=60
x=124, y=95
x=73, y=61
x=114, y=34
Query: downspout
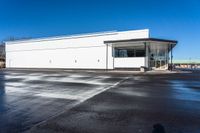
x=113, y=57
x=171, y=57
x=146, y=55
x=106, y=56
x=168, y=56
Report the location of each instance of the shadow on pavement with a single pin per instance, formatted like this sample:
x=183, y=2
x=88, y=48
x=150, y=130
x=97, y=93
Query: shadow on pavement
x=158, y=128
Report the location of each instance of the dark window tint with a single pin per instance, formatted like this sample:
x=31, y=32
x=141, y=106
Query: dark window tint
x=128, y=52
x=140, y=53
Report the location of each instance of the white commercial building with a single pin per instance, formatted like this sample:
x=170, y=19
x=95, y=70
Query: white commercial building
x=106, y=50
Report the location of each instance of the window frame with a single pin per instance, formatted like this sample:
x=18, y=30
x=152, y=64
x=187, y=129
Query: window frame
x=127, y=53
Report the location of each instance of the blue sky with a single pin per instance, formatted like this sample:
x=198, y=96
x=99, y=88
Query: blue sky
x=169, y=19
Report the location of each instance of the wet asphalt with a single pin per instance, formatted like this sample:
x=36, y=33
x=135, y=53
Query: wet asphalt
x=77, y=102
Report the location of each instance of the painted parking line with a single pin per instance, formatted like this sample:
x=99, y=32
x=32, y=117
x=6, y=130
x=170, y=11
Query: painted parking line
x=29, y=84
x=84, y=98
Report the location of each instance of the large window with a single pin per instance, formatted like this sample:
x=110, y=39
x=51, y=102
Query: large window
x=129, y=52
x=140, y=53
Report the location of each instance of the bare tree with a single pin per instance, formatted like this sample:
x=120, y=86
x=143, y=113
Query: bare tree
x=13, y=38
x=2, y=50
x=2, y=55
x=2, y=45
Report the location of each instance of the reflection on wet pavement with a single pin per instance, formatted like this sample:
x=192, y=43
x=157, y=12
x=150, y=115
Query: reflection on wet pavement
x=27, y=98
x=141, y=104
x=106, y=102
x=185, y=90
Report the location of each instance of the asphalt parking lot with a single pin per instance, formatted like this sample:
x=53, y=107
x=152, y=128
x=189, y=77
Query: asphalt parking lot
x=59, y=101
x=28, y=97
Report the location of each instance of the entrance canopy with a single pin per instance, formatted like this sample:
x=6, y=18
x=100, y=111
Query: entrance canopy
x=155, y=52
x=141, y=41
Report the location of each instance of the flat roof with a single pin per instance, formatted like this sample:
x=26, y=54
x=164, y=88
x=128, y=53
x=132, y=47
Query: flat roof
x=143, y=40
x=73, y=36
x=63, y=37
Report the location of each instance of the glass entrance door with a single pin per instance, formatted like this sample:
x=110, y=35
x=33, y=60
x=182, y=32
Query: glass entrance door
x=158, y=57
x=160, y=64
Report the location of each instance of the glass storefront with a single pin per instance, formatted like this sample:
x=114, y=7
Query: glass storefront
x=159, y=56
x=156, y=54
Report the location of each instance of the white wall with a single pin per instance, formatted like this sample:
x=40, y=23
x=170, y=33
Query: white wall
x=60, y=58
x=133, y=62
x=81, y=52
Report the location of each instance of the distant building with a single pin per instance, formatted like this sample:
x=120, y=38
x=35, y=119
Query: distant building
x=190, y=63
x=106, y=50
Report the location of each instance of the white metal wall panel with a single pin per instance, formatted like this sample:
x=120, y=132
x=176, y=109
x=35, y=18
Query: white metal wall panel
x=134, y=62
x=81, y=52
